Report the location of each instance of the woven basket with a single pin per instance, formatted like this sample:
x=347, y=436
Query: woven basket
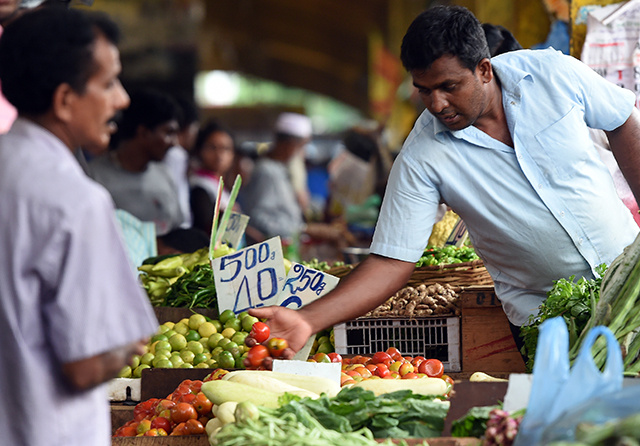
x=458, y=275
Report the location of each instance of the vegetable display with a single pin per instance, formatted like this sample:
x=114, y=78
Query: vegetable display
x=446, y=255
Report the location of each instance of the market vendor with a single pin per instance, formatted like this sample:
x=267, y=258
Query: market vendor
x=505, y=143
x=72, y=311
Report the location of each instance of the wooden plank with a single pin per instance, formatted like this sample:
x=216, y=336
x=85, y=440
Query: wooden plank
x=187, y=440
x=175, y=314
x=468, y=394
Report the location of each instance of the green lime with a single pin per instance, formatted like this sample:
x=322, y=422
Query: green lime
x=234, y=323
x=159, y=337
x=135, y=361
x=239, y=363
x=325, y=347
x=229, y=346
x=164, y=364
x=163, y=346
x=202, y=365
x=181, y=328
x=239, y=337
x=169, y=333
x=216, y=323
x=248, y=322
x=226, y=360
x=200, y=357
x=226, y=315
x=186, y=365
x=213, y=340
x=187, y=356
x=242, y=314
x=177, y=361
x=159, y=357
x=146, y=359
x=177, y=342
x=163, y=328
x=192, y=335
x=195, y=320
x=228, y=332
x=205, y=343
x=125, y=372
x=222, y=342
x=206, y=329
x=137, y=372
x=195, y=347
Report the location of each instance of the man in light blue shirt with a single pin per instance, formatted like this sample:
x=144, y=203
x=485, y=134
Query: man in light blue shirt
x=505, y=143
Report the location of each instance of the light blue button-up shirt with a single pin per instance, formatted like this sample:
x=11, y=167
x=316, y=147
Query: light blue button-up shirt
x=542, y=210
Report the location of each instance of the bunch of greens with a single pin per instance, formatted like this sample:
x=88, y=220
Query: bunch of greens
x=322, y=266
x=401, y=414
x=196, y=289
x=446, y=255
x=473, y=423
x=574, y=300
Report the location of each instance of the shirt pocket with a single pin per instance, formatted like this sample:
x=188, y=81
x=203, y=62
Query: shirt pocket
x=564, y=146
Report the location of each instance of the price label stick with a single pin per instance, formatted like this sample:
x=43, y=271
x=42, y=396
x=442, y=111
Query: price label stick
x=227, y=212
x=214, y=224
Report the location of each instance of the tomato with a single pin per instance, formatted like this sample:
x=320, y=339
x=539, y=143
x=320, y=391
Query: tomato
x=321, y=357
x=143, y=426
x=382, y=370
x=180, y=429
x=335, y=357
x=259, y=331
x=256, y=355
x=277, y=346
x=145, y=409
x=194, y=427
x=161, y=423
x=394, y=353
x=380, y=357
x=202, y=404
x=409, y=375
x=128, y=431
x=155, y=433
x=182, y=412
x=447, y=379
x=433, y=368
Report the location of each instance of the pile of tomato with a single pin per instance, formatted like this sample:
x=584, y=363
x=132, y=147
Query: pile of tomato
x=390, y=364
x=185, y=411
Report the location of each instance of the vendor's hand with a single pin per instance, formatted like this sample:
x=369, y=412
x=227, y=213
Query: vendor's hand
x=287, y=324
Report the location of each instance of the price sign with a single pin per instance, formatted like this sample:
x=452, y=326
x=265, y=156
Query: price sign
x=251, y=277
x=304, y=285
x=458, y=234
x=235, y=229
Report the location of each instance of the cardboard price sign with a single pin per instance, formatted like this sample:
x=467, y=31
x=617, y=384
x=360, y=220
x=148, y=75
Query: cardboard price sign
x=251, y=277
x=234, y=230
x=304, y=285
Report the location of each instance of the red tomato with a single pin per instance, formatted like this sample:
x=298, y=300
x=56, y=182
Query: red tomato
x=394, y=353
x=193, y=427
x=380, y=357
x=277, y=346
x=259, y=331
x=202, y=404
x=180, y=429
x=335, y=357
x=257, y=354
x=382, y=370
x=155, y=433
x=161, y=423
x=182, y=412
x=145, y=409
x=447, y=379
x=433, y=368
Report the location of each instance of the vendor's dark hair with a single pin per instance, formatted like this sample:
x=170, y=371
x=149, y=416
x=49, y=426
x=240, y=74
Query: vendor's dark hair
x=444, y=30
x=47, y=47
x=206, y=130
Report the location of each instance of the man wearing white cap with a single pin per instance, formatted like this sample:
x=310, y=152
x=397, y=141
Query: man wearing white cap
x=270, y=199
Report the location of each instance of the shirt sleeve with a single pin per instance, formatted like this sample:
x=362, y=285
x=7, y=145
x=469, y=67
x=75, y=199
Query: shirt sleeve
x=408, y=211
x=96, y=303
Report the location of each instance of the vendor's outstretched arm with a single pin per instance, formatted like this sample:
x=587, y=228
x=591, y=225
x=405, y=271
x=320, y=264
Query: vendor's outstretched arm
x=625, y=145
x=367, y=286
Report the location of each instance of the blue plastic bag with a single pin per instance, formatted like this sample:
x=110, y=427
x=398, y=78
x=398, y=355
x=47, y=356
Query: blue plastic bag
x=557, y=388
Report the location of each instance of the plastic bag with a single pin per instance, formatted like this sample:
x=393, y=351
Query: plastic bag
x=557, y=388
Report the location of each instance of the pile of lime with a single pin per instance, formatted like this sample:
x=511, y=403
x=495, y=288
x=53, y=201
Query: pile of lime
x=196, y=341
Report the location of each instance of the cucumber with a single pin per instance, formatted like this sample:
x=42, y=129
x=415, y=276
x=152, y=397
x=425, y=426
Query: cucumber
x=219, y=391
x=422, y=386
x=315, y=384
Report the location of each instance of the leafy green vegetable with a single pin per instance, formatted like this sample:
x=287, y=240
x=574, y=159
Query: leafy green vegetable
x=400, y=414
x=473, y=423
x=574, y=300
x=446, y=255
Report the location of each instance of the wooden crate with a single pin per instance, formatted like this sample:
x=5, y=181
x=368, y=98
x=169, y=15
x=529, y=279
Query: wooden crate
x=487, y=343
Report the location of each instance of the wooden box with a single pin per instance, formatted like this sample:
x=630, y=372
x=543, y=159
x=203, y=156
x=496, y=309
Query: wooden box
x=486, y=341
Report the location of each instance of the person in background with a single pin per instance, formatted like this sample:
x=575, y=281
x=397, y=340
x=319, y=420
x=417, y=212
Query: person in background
x=505, y=143
x=132, y=171
x=177, y=159
x=499, y=39
x=72, y=311
x=214, y=152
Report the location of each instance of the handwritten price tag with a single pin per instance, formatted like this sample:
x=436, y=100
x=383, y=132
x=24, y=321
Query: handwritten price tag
x=251, y=277
x=304, y=285
x=235, y=229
